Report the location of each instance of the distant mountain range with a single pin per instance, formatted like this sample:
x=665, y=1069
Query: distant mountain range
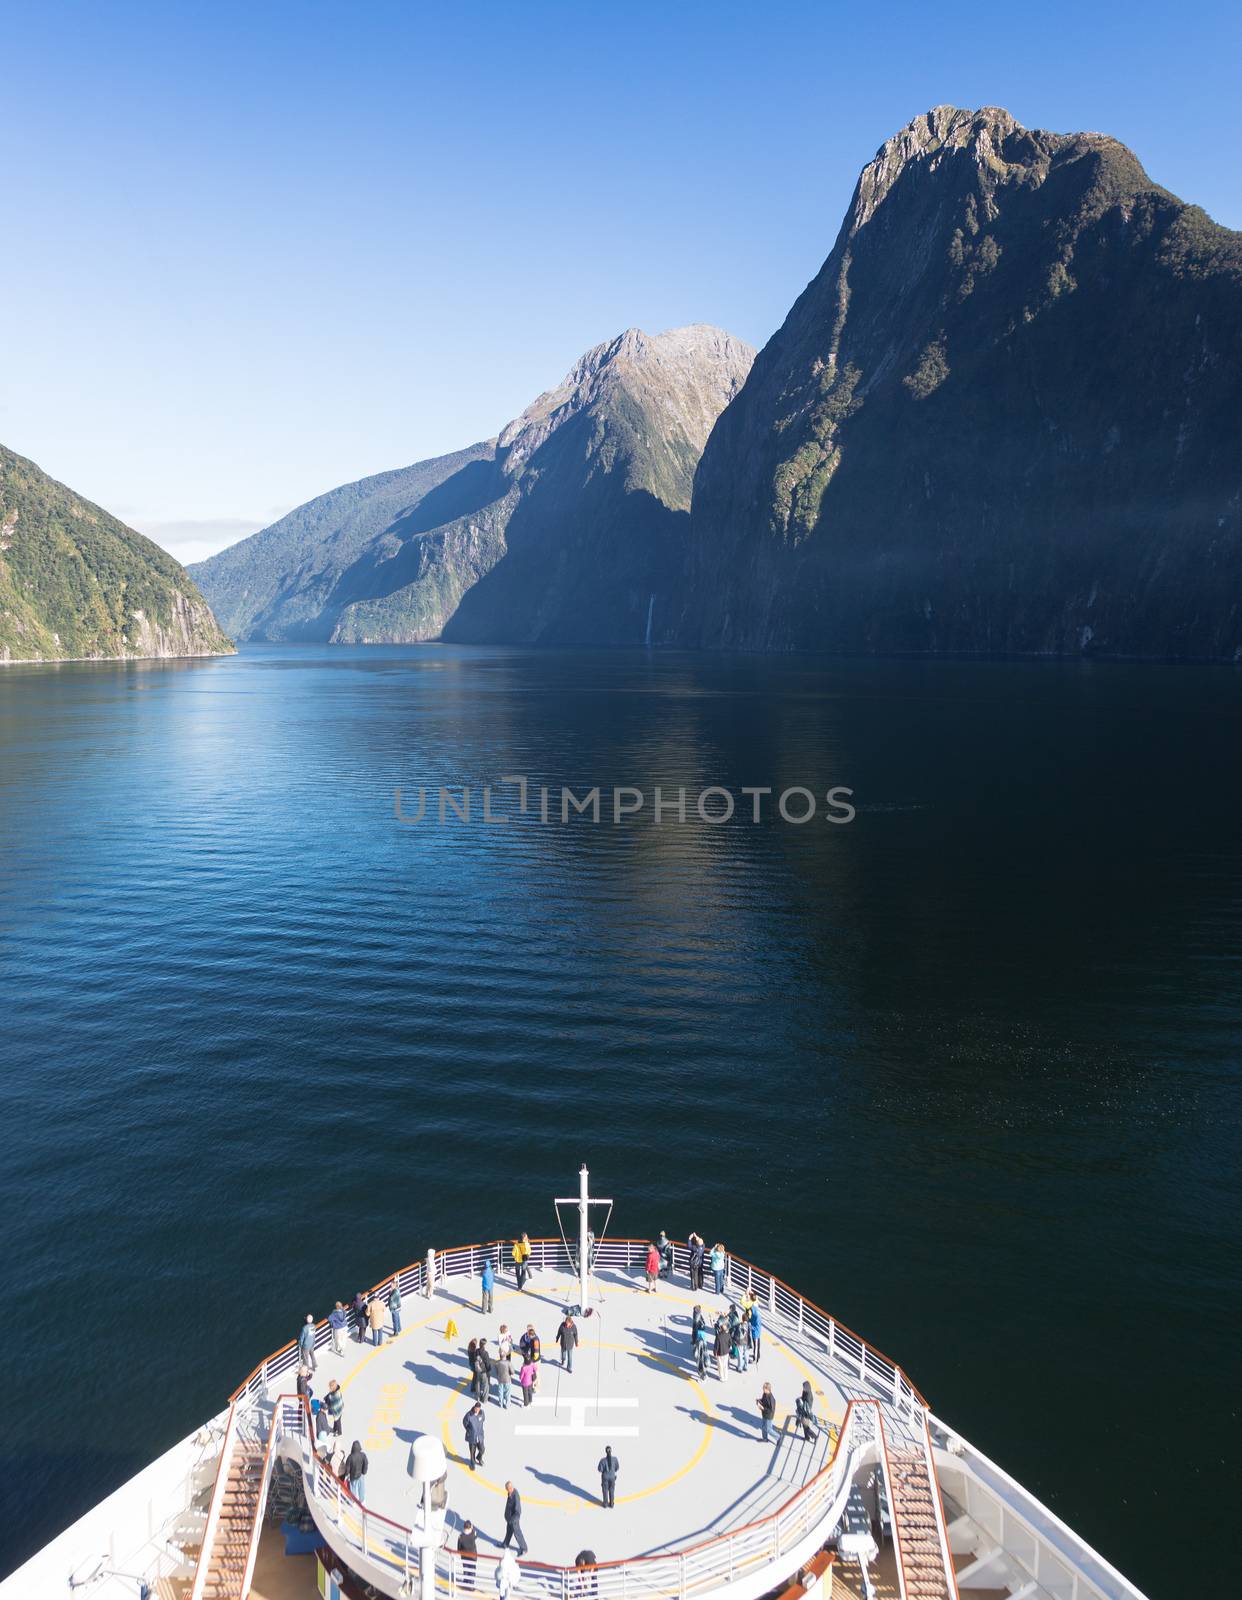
x=1005, y=417
x=570, y=527
x=76, y=583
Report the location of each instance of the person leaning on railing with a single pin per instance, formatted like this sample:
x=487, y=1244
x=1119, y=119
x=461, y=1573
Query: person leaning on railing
x=394, y=1306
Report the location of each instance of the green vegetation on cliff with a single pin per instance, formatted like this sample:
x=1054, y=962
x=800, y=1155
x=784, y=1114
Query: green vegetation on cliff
x=75, y=582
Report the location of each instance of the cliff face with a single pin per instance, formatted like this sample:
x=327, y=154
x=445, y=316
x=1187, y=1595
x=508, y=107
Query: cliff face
x=569, y=528
x=75, y=583
x=1006, y=415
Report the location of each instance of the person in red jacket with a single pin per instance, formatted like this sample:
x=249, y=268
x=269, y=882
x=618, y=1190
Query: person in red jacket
x=653, y=1267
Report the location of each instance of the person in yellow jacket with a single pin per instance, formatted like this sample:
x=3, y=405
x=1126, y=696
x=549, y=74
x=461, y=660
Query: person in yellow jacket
x=521, y=1260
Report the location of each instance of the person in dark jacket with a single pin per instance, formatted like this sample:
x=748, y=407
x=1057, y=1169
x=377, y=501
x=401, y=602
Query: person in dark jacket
x=698, y=1259
x=804, y=1410
x=722, y=1348
x=767, y=1410
x=567, y=1338
x=338, y=1321
x=356, y=1465
x=304, y=1388
x=609, y=1467
x=664, y=1246
x=697, y=1321
x=359, y=1309
x=468, y=1549
x=334, y=1404
x=472, y=1426
x=481, y=1372
x=528, y=1344
x=513, y=1520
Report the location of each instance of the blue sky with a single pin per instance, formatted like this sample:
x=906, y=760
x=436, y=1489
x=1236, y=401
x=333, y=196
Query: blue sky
x=250, y=252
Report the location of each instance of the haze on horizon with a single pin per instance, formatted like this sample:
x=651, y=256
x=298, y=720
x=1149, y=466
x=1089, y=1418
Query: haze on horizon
x=250, y=257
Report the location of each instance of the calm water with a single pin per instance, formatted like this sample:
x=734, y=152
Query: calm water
x=966, y=1071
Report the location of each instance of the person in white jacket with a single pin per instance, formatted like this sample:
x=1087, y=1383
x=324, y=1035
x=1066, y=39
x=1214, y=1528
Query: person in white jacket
x=508, y=1574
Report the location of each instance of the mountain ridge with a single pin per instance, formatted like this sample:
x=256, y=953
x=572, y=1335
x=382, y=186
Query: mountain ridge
x=77, y=584
x=558, y=530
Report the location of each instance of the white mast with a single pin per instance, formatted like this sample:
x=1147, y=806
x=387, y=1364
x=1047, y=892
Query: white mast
x=584, y=1229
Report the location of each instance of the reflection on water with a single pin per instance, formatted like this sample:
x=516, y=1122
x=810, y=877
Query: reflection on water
x=965, y=1070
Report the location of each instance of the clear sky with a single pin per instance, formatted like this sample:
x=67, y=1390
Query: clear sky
x=249, y=252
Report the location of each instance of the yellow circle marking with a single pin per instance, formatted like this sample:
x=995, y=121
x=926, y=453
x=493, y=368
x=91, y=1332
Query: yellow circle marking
x=573, y=1504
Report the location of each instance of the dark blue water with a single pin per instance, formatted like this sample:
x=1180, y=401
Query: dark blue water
x=965, y=1070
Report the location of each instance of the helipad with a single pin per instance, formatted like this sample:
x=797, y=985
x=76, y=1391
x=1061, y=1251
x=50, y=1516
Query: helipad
x=693, y=1463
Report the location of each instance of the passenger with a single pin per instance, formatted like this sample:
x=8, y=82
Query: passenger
x=304, y=1388
x=743, y=1343
x=722, y=1348
x=356, y=1465
x=504, y=1345
x=609, y=1467
x=652, y=1268
x=359, y=1309
x=665, y=1246
x=529, y=1379
x=338, y=1318
x=502, y=1371
x=334, y=1401
x=375, y=1316
x=481, y=1372
x=767, y=1410
x=735, y=1322
x=567, y=1338
x=698, y=1255
x=473, y=1424
x=513, y=1519
x=756, y=1332
x=508, y=1575
x=719, y=1262
x=700, y=1349
x=488, y=1284
x=697, y=1321
x=467, y=1549
x=306, y=1344
x=529, y=1344
x=521, y=1260
x=804, y=1411
x=394, y=1307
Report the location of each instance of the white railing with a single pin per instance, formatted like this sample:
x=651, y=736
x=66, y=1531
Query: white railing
x=227, y=1445
x=814, y=1509
x=810, y=1514
x=1048, y=1551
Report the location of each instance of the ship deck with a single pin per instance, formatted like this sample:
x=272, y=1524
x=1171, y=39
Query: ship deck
x=693, y=1464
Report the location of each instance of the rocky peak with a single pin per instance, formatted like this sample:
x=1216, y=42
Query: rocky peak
x=691, y=373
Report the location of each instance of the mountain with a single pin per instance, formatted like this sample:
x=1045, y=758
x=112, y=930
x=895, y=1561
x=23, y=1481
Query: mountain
x=76, y=583
x=280, y=582
x=570, y=527
x=1005, y=416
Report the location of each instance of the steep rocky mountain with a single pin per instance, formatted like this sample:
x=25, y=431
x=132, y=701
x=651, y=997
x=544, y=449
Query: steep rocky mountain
x=1005, y=416
x=571, y=527
x=76, y=583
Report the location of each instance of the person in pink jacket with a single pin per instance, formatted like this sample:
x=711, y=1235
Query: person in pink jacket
x=528, y=1377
